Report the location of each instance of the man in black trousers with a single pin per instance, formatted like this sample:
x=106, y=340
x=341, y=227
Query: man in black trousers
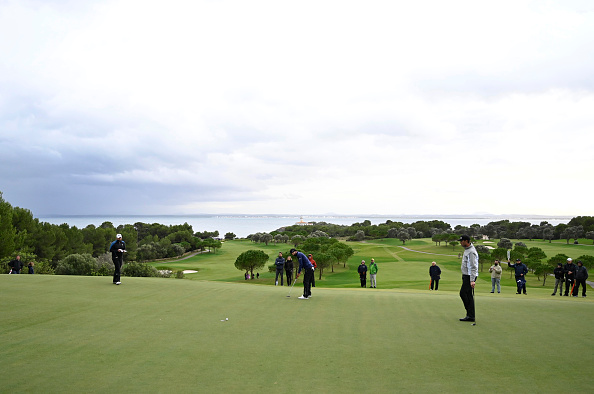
x=469, y=275
x=307, y=267
x=117, y=249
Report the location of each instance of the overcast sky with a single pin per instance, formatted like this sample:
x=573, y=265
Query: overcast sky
x=297, y=107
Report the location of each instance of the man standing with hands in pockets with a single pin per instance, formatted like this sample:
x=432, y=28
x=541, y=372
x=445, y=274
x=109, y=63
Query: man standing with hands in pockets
x=469, y=275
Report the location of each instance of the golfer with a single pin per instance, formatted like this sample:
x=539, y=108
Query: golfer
x=308, y=268
x=117, y=249
x=469, y=275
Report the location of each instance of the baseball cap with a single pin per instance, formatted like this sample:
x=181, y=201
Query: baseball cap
x=119, y=236
x=464, y=238
x=570, y=259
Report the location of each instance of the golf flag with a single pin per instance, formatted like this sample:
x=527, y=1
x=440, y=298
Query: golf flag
x=508, y=253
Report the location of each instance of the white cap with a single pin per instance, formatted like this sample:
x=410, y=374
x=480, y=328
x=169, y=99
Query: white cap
x=119, y=236
x=570, y=259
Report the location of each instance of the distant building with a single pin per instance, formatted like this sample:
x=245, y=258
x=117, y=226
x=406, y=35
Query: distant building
x=302, y=223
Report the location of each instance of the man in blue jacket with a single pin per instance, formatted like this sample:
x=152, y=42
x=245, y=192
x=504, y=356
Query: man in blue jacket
x=521, y=271
x=117, y=249
x=280, y=265
x=307, y=267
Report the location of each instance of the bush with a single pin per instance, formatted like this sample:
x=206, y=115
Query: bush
x=179, y=274
x=139, y=270
x=77, y=264
x=44, y=268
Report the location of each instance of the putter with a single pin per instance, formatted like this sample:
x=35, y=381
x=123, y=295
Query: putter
x=291, y=289
x=473, y=300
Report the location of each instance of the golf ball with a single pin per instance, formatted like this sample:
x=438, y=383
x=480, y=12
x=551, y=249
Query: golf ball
x=226, y=318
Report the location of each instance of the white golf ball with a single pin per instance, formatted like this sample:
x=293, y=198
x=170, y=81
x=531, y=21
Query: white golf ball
x=226, y=318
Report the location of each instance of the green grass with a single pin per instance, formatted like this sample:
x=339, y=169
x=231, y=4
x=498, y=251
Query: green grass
x=83, y=334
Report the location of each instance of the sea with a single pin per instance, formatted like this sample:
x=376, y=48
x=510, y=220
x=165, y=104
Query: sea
x=244, y=225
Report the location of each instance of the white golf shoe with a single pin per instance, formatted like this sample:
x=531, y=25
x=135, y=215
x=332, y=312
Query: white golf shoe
x=302, y=298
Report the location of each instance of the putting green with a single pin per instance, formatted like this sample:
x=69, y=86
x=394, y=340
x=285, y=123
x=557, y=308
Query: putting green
x=83, y=334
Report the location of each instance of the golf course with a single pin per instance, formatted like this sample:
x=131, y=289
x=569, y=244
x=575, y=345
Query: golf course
x=215, y=331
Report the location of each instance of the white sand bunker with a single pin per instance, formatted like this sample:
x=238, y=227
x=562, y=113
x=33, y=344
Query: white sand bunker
x=189, y=272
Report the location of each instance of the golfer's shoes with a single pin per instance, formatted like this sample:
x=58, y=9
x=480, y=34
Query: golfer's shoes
x=303, y=298
x=118, y=283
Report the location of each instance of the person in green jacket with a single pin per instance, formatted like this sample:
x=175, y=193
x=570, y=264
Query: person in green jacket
x=373, y=273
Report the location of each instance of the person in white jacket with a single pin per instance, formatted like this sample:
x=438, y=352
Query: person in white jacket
x=469, y=275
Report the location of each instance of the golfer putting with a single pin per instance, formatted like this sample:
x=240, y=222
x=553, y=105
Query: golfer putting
x=304, y=264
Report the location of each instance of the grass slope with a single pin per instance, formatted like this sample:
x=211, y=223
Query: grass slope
x=83, y=334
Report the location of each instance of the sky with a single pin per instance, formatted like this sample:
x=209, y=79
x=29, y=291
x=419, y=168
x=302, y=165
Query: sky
x=297, y=107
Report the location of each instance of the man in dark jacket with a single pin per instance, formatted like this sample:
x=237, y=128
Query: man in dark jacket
x=362, y=270
x=289, y=269
x=117, y=249
x=308, y=273
x=16, y=265
x=280, y=264
x=581, y=274
x=569, y=270
x=559, y=279
x=521, y=271
x=434, y=273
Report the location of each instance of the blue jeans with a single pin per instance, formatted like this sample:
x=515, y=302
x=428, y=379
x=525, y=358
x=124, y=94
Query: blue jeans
x=495, y=281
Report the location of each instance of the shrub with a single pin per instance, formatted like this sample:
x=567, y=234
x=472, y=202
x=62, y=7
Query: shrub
x=139, y=270
x=44, y=268
x=179, y=274
x=77, y=264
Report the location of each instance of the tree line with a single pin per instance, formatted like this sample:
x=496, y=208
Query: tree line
x=48, y=244
x=577, y=227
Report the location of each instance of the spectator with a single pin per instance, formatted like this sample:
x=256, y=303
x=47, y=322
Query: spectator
x=496, y=271
x=559, y=279
x=280, y=264
x=435, y=274
x=16, y=265
x=373, y=274
x=289, y=269
x=581, y=274
x=521, y=271
x=569, y=270
x=30, y=265
x=313, y=262
x=362, y=270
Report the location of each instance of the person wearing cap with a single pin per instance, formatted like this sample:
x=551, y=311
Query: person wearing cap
x=280, y=265
x=581, y=274
x=559, y=279
x=313, y=262
x=435, y=274
x=470, y=262
x=362, y=270
x=521, y=271
x=569, y=269
x=308, y=273
x=117, y=249
x=373, y=274
x=496, y=271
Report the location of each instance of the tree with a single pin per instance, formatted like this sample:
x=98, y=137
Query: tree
x=590, y=235
x=505, y=243
x=77, y=264
x=324, y=260
x=342, y=252
x=484, y=254
x=251, y=260
x=230, y=236
x=297, y=240
x=360, y=235
x=542, y=269
x=7, y=230
x=266, y=238
x=403, y=235
x=393, y=232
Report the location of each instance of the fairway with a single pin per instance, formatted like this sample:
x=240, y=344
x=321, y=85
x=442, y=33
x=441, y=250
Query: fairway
x=83, y=334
